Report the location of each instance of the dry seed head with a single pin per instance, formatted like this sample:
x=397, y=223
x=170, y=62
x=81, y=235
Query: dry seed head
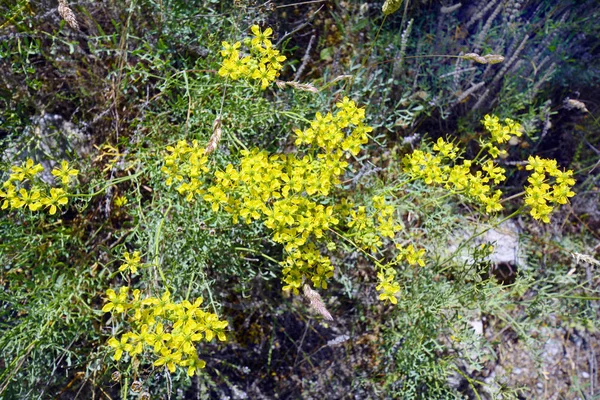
x=571, y=104
x=339, y=78
x=214, y=140
x=474, y=57
x=280, y=84
x=316, y=303
x=136, y=386
x=67, y=14
x=338, y=340
x=493, y=58
x=391, y=6
x=305, y=87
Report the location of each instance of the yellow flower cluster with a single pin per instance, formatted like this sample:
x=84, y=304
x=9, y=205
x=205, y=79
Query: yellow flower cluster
x=262, y=64
x=171, y=330
x=369, y=228
x=411, y=255
x=22, y=189
x=289, y=193
x=500, y=133
x=120, y=201
x=388, y=287
x=457, y=177
x=539, y=194
x=444, y=167
x=185, y=165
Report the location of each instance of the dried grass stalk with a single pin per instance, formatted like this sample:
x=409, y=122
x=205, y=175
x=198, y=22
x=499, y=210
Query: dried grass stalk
x=488, y=24
x=305, y=59
x=67, y=14
x=449, y=9
x=214, y=140
x=511, y=60
x=480, y=13
x=469, y=92
x=316, y=303
x=481, y=100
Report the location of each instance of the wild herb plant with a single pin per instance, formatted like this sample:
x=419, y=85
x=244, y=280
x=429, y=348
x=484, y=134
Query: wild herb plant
x=219, y=183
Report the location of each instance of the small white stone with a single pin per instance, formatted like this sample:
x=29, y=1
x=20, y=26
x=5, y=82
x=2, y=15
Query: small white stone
x=477, y=326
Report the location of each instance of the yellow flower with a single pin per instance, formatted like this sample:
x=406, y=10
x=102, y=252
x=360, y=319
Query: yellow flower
x=118, y=303
x=447, y=149
x=120, y=201
x=264, y=75
x=10, y=195
x=261, y=37
x=132, y=262
x=65, y=173
x=57, y=197
x=229, y=49
x=194, y=364
x=29, y=199
x=27, y=171
x=535, y=163
x=169, y=359
x=387, y=286
x=119, y=346
x=160, y=337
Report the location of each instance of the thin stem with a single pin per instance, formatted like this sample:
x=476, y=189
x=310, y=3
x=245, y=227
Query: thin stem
x=470, y=380
x=257, y=252
x=514, y=196
x=109, y=183
x=373, y=43
x=357, y=247
x=156, y=245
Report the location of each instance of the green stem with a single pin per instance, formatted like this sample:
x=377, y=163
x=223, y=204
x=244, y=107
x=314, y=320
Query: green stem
x=156, y=245
x=257, y=252
x=375, y=260
x=109, y=183
x=294, y=116
x=470, y=380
